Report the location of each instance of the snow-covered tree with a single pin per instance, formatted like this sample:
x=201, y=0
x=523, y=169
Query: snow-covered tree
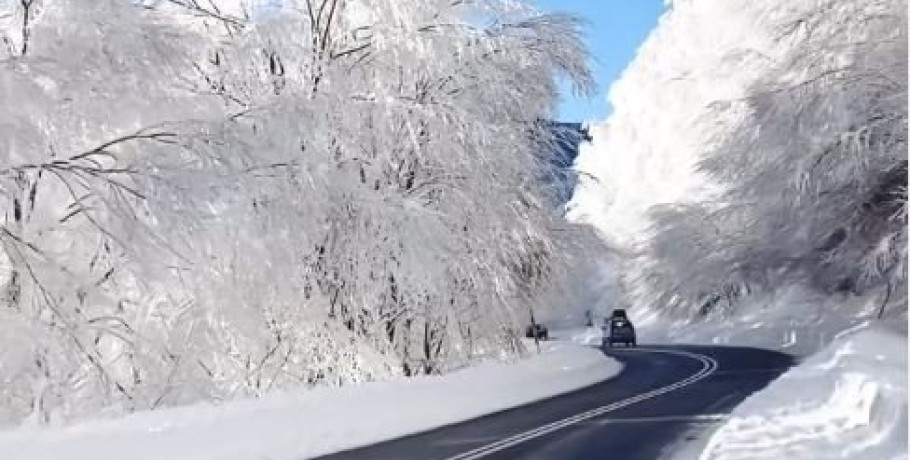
x=775, y=155
x=817, y=165
x=204, y=199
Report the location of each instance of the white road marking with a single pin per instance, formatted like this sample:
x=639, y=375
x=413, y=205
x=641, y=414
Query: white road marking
x=709, y=365
x=699, y=418
x=467, y=440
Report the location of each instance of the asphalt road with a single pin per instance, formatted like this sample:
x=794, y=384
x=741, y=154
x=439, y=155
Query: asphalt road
x=663, y=395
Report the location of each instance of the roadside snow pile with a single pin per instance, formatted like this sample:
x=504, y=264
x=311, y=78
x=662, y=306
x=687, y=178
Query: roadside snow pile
x=847, y=402
x=319, y=421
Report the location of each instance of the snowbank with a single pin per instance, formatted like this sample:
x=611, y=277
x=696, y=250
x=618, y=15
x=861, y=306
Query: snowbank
x=319, y=421
x=847, y=402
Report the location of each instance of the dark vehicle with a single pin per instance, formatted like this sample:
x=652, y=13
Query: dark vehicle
x=618, y=329
x=537, y=331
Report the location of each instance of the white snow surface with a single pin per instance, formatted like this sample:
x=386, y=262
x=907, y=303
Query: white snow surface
x=847, y=402
x=309, y=423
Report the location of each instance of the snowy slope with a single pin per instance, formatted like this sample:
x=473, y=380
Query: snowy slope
x=311, y=423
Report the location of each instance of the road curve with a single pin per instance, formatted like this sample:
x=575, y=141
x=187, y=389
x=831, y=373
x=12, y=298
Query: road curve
x=663, y=393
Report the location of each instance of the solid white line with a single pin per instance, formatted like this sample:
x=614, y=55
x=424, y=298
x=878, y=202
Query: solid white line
x=709, y=365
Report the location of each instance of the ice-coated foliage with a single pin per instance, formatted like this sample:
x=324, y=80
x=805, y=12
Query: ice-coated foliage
x=205, y=199
x=767, y=149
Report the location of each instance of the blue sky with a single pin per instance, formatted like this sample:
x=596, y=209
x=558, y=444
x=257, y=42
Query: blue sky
x=616, y=28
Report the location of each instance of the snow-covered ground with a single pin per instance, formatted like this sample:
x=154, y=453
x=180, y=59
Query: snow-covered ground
x=847, y=402
x=296, y=425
